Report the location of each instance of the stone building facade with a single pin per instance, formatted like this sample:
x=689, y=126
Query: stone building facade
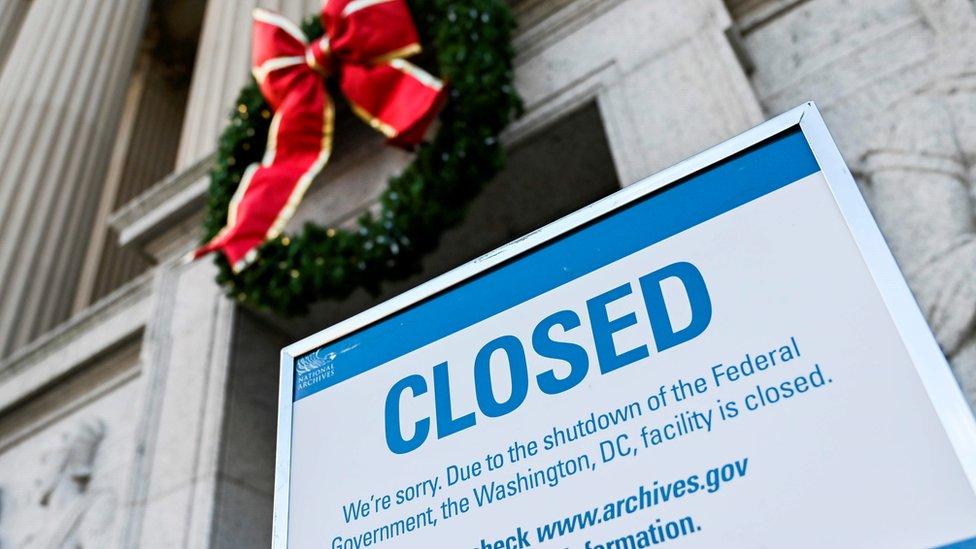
x=137, y=403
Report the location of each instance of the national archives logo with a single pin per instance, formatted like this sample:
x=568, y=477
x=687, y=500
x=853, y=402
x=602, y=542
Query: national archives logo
x=315, y=361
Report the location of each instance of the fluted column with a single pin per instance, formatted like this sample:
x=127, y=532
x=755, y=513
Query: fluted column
x=222, y=67
x=61, y=93
x=11, y=15
x=219, y=72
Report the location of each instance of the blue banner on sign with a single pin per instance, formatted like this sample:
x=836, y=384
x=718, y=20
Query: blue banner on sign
x=964, y=544
x=746, y=177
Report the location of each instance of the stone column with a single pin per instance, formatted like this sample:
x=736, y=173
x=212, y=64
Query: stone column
x=222, y=68
x=61, y=93
x=11, y=15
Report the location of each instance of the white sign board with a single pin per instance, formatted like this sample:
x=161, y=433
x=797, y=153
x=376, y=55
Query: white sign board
x=724, y=354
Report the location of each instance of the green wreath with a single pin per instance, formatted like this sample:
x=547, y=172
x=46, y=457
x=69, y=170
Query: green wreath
x=471, y=40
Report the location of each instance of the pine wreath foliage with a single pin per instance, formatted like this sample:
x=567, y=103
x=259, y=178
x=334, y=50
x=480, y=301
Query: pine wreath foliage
x=472, y=52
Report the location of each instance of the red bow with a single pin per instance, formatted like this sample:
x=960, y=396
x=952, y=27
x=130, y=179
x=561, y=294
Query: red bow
x=365, y=44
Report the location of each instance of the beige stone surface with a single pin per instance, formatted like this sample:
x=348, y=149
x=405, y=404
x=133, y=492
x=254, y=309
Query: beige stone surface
x=165, y=392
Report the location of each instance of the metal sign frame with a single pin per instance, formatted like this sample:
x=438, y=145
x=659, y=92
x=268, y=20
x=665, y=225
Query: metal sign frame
x=932, y=368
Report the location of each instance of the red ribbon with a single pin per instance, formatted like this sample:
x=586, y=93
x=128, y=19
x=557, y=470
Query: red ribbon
x=365, y=45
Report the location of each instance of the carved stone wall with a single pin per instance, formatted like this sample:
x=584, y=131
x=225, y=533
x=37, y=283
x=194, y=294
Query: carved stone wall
x=896, y=80
x=922, y=174
x=65, y=461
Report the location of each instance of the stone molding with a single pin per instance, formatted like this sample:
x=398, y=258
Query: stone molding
x=535, y=38
x=118, y=318
x=750, y=14
x=164, y=205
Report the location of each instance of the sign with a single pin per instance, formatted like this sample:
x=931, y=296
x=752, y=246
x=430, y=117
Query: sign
x=724, y=354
